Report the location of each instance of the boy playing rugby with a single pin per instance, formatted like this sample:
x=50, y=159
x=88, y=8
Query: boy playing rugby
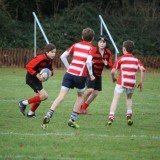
x=128, y=65
x=34, y=80
x=75, y=75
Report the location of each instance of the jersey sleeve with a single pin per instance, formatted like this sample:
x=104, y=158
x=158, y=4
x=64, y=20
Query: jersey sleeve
x=140, y=63
x=110, y=59
x=117, y=63
x=32, y=64
x=70, y=50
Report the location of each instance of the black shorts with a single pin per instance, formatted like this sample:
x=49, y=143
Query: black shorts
x=95, y=84
x=34, y=83
x=71, y=81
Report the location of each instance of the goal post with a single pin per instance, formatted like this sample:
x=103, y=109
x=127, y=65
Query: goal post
x=102, y=24
x=36, y=22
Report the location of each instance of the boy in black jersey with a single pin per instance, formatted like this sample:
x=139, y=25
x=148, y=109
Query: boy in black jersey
x=101, y=57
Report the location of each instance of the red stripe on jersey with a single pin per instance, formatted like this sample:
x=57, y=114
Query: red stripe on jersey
x=79, y=58
x=73, y=71
x=129, y=76
x=130, y=85
x=130, y=69
x=77, y=65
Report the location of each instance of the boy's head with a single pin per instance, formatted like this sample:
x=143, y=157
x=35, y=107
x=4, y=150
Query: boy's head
x=128, y=46
x=49, y=47
x=50, y=50
x=88, y=34
x=102, y=42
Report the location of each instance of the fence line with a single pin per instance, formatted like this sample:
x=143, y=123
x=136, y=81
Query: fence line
x=19, y=57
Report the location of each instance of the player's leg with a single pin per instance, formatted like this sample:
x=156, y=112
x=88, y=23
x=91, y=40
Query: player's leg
x=76, y=110
x=79, y=83
x=91, y=97
x=40, y=95
x=94, y=87
x=85, y=104
x=66, y=85
x=55, y=104
x=43, y=96
x=117, y=94
x=129, y=108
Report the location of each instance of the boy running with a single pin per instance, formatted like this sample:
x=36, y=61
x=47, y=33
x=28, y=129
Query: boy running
x=34, y=80
x=75, y=75
x=128, y=65
x=102, y=57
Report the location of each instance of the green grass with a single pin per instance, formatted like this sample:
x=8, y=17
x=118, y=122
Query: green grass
x=23, y=138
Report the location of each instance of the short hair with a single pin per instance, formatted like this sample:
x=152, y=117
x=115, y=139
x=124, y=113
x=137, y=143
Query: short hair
x=129, y=45
x=49, y=47
x=88, y=34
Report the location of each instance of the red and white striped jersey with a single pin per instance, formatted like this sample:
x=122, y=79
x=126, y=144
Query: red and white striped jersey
x=80, y=52
x=128, y=65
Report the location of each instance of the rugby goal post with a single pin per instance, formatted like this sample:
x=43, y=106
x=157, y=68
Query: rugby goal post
x=103, y=25
x=36, y=22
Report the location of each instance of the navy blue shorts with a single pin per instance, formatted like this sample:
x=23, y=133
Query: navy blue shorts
x=71, y=81
x=95, y=84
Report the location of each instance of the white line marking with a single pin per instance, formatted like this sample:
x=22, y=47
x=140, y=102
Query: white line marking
x=72, y=134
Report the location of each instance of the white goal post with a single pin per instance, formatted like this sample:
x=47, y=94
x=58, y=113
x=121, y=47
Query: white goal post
x=102, y=24
x=36, y=21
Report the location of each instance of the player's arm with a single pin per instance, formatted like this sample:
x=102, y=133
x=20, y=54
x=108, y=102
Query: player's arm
x=142, y=69
x=89, y=67
x=30, y=66
x=113, y=74
x=108, y=64
x=64, y=58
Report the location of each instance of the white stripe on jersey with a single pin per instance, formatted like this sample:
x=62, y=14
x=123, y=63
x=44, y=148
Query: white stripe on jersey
x=129, y=80
x=75, y=68
x=130, y=66
x=129, y=73
x=78, y=62
x=80, y=54
x=129, y=59
x=83, y=46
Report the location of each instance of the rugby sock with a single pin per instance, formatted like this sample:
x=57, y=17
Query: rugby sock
x=84, y=106
x=50, y=113
x=129, y=113
x=34, y=106
x=34, y=99
x=74, y=116
x=111, y=116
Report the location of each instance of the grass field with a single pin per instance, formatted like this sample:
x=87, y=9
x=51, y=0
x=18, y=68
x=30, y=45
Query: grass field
x=23, y=139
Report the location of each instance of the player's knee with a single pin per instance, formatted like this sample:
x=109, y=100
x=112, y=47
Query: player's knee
x=44, y=96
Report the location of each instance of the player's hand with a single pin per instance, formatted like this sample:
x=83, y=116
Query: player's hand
x=40, y=77
x=140, y=86
x=105, y=62
x=114, y=79
x=92, y=77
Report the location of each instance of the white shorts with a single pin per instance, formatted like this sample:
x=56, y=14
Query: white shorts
x=120, y=89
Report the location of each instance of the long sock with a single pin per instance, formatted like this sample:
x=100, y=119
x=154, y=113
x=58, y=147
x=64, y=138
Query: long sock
x=84, y=106
x=34, y=99
x=34, y=106
x=111, y=116
x=129, y=113
x=50, y=113
x=74, y=116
